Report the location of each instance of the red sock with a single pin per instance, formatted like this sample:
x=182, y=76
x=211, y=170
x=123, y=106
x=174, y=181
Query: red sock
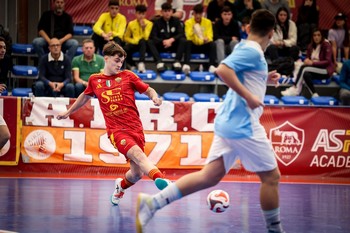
x=125, y=183
x=155, y=173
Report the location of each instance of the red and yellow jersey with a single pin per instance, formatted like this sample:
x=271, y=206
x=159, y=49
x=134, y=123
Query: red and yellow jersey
x=116, y=96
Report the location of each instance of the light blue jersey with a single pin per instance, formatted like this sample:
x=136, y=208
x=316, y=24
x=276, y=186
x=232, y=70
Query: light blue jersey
x=235, y=119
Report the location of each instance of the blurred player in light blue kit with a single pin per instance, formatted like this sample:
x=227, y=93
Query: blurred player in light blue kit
x=238, y=132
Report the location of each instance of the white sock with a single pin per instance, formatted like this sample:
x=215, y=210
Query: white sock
x=166, y=196
x=272, y=218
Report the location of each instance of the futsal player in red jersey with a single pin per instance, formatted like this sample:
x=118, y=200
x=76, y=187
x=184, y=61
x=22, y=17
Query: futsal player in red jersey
x=114, y=89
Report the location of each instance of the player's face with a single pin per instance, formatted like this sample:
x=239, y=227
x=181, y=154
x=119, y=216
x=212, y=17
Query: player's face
x=2, y=49
x=113, y=11
x=114, y=63
x=226, y=17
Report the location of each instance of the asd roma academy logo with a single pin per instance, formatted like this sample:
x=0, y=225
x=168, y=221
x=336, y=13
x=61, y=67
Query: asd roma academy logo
x=287, y=142
x=40, y=144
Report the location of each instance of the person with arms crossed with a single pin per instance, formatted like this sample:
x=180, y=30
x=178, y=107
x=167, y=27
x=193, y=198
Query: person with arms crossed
x=85, y=65
x=238, y=133
x=114, y=89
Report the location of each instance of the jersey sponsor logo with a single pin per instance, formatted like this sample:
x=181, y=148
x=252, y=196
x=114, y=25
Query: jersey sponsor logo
x=287, y=142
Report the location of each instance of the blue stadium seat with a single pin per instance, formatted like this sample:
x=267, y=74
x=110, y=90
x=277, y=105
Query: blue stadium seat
x=167, y=55
x=176, y=96
x=25, y=49
x=199, y=56
x=136, y=56
x=172, y=75
x=82, y=30
x=22, y=92
x=148, y=75
x=23, y=72
x=206, y=97
x=79, y=51
x=295, y=100
x=4, y=93
x=324, y=100
x=202, y=76
x=336, y=78
x=139, y=96
x=321, y=81
x=271, y=99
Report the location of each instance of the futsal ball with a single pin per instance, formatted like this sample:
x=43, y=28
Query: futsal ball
x=218, y=201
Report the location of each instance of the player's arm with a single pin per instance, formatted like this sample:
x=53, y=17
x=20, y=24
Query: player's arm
x=81, y=100
x=153, y=95
x=229, y=76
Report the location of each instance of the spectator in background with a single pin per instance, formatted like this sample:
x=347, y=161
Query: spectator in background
x=109, y=26
x=7, y=38
x=167, y=36
x=284, y=39
x=307, y=21
x=246, y=8
x=177, y=6
x=317, y=65
x=85, y=65
x=274, y=5
x=56, y=23
x=226, y=33
x=55, y=73
x=5, y=65
x=136, y=36
x=243, y=30
x=214, y=9
x=338, y=35
x=344, y=83
x=199, y=35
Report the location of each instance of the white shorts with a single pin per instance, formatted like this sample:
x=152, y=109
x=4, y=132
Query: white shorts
x=255, y=154
x=2, y=121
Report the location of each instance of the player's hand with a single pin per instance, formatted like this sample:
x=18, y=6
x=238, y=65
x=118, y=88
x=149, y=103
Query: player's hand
x=63, y=115
x=157, y=101
x=254, y=102
x=273, y=77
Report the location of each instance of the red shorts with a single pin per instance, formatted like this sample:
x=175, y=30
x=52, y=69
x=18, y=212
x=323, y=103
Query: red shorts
x=124, y=140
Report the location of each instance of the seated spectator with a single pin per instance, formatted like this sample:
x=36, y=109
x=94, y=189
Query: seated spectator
x=8, y=39
x=246, y=8
x=214, y=9
x=339, y=37
x=226, y=34
x=167, y=36
x=307, y=21
x=56, y=23
x=284, y=39
x=55, y=73
x=317, y=65
x=274, y=5
x=5, y=65
x=136, y=36
x=177, y=6
x=243, y=30
x=199, y=35
x=85, y=65
x=109, y=26
x=344, y=83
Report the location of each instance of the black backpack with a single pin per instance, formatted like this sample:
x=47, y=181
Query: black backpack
x=283, y=65
x=8, y=40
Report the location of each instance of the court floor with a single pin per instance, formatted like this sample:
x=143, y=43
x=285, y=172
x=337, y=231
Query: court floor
x=82, y=205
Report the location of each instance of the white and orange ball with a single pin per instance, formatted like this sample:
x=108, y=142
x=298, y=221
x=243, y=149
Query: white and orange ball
x=218, y=201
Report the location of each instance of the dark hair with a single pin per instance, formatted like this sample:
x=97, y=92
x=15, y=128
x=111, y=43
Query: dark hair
x=111, y=49
x=166, y=6
x=226, y=9
x=113, y=3
x=245, y=20
x=2, y=39
x=314, y=45
x=198, y=8
x=262, y=22
x=346, y=41
x=285, y=27
x=140, y=8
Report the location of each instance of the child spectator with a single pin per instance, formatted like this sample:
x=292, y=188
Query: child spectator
x=136, y=36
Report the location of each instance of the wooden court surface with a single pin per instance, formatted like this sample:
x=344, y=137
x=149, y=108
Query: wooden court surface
x=82, y=205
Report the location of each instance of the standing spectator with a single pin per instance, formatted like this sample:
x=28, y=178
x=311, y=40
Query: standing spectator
x=109, y=26
x=338, y=35
x=284, y=40
x=317, y=65
x=226, y=33
x=199, y=35
x=5, y=65
x=55, y=73
x=177, y=7
x=214, y=9
x=167, y=36
x=307, y=21
x=246, y=8
x=274, y=5
x=136, y=36
x=85, y=65
x=56, y=23
x=344, y=83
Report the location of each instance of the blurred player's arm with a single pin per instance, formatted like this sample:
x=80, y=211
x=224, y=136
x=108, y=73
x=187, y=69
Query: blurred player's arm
x=81, y=100
x=229, y=76
x=153, y=95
